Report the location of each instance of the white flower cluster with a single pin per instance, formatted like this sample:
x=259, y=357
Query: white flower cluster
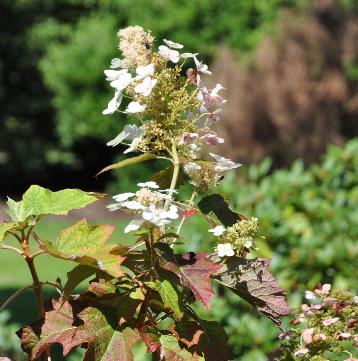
x=148, y=202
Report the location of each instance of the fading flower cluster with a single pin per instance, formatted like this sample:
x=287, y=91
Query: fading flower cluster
x=148, y=203
x=237, y=239
x=326, y=326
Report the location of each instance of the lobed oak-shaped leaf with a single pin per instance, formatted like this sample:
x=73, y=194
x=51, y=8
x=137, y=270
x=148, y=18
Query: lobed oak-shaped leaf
x=57, y=327
x=129, y=161
x=216, y=203
x=40, y=201
x=4, y=228
x=97, y=328
x=194, y=271
x=86, y=245
x=252, y=281
x=75, y=277
x=107, y=340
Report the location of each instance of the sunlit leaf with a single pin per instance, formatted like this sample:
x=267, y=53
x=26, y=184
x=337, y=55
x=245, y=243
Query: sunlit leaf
x=17, y=210
x=40, y=201
x=171, y=351
x=86, y=244
x=170, y=297
x=4, y=228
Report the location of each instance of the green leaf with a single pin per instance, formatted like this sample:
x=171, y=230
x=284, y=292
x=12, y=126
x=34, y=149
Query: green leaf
x=170, y=298
x=17, y=210
x=86, y=245
x=171, y=351
x=124, y=163
x=4, y=228
x=75, y=277
x=251, y=280
x=43, y=201
x=215, y=203
x=107, y=340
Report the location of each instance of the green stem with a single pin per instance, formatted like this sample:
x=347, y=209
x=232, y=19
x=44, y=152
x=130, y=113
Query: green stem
x=176, y=165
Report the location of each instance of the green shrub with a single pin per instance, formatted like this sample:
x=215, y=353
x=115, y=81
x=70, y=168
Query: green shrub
x=310, y=220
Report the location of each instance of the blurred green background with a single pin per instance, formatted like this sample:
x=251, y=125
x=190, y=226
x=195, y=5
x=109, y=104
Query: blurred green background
x=290, y=68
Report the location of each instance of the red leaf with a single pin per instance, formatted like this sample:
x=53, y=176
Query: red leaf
x=188, y=213
x=193, y=270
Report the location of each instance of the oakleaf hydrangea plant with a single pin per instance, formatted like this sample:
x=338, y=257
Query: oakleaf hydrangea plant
x=145, y=292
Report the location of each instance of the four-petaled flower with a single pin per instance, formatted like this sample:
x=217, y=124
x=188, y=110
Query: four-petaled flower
x=225, y=250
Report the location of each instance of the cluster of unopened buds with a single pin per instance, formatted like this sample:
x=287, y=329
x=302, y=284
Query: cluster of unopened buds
x=329, y=318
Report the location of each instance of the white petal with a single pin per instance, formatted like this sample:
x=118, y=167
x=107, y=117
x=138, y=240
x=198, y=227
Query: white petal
x=135, y=107
x=130, y=131
x=118, y=63
x=218, y=230
x=133, y=225
x=144, y=70
x=173, y=45
x=188, y=55
x=122, y=81
x=123, y=196
x=114, y=103
x=132, y=205
x=225, y=249
x=169, y=54
x=149, y=184
x=113, y=207
x=114, y=74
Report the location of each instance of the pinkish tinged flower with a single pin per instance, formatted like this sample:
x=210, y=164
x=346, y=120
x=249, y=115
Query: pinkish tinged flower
x=330, y=321
x=214, y=116
x=309, y=295
x=169, y=54
x=188, y=138
x=211, y=98
x=344, y=335
x=307, y=335
x=202, y=68
x=193, y=76
x=301, y=352
x=324, y=289
x=319, y=337
x=212, y=139
x=351, y=359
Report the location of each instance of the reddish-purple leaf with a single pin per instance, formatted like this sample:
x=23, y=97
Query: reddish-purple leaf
x=251, y=280
x=56, y=328
x=194, y=271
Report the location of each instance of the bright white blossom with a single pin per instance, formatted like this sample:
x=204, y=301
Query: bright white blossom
x=218, y=230
x=173, y=45
x=188, y=55
x=146, y=86
x=225, y=249
x=144, y=71
x=120, y=80
x=149, y=184
x=130, y=132
x=114, y=103
x=135, y=107
x=169, y=54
